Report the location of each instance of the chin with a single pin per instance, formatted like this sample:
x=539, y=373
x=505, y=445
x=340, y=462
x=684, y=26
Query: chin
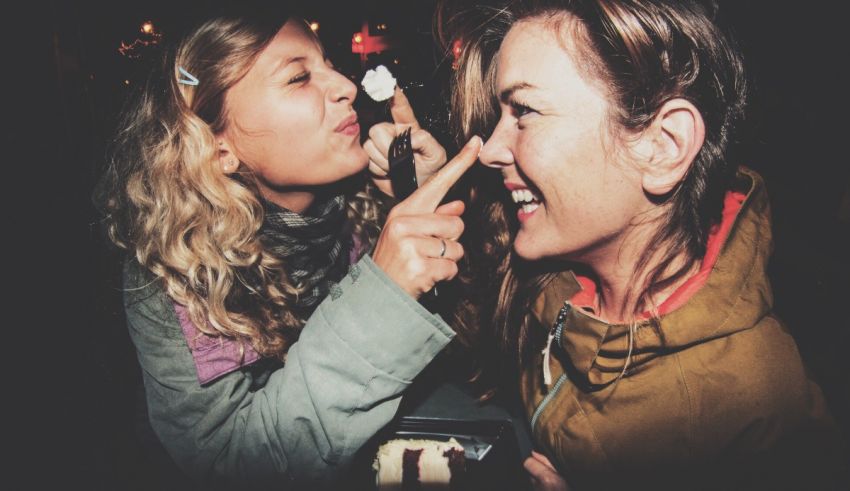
x=351, y=164
x=525, y=249
x=360, y=158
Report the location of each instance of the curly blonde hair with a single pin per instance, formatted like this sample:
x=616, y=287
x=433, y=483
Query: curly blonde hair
x=196, y=229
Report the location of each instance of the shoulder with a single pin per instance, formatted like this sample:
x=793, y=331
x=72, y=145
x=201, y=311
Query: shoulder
x=149, y=309
x=770, y=364
x=752, y=386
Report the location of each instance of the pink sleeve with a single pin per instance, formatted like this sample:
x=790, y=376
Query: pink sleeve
x=214, y=356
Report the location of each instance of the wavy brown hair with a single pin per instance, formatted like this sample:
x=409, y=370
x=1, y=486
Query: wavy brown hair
x=645, y=53
x=167, y=202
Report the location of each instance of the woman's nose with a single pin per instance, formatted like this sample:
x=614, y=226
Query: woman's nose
x=495, y=152
x=341, y=88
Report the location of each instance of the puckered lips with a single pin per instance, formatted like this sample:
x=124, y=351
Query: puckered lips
x=349, y=125
x=526, y=199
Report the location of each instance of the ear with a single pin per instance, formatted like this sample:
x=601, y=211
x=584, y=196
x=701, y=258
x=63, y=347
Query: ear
x=227, y=158
x=674, y=137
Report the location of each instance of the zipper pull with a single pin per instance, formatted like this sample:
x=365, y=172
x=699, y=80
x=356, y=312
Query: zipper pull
x=555, y=332
x=547, y=371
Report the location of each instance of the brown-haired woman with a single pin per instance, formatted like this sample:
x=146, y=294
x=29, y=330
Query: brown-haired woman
x=237, y=188
x=634, y=306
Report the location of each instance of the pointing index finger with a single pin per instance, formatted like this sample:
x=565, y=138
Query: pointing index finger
x=401, y=110
x=427, y=198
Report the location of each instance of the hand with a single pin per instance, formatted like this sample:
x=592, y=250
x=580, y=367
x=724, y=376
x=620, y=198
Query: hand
x=410, y=245
x=430, y=156
x=544, y=477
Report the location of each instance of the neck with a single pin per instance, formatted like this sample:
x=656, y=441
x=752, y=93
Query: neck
x=619, y=281
x=294, y=200
x=615, y=302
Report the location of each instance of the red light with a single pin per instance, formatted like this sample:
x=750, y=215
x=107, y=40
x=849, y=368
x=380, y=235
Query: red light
x=357, y=43
x=364, y=43
x=457, y=48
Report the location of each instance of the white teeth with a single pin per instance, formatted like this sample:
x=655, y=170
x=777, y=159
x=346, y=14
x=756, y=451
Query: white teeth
x=529, y=207
x=523, y=196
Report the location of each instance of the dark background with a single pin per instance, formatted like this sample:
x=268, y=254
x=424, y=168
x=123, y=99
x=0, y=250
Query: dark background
x=73, y=388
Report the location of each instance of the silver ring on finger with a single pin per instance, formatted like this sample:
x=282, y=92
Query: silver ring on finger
x=443, y=250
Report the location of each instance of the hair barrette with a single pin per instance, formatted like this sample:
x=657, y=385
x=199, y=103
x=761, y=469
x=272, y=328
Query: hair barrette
x=190, y=80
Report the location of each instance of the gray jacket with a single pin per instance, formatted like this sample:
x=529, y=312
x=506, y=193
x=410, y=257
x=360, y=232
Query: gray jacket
x=299, y=424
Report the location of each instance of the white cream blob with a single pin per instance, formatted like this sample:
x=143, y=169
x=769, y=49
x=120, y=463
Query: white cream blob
x=379, y=83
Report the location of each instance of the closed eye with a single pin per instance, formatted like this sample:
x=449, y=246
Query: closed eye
x=300, y=78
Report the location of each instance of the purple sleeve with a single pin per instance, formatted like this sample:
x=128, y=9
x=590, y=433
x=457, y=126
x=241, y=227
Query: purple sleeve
x=214, y=356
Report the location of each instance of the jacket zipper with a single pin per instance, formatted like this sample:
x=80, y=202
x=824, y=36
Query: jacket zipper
x=552, y=393
x=554, y=333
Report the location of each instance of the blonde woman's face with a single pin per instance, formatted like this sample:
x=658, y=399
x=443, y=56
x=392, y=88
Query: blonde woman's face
x=291, y=120
x=553, y=145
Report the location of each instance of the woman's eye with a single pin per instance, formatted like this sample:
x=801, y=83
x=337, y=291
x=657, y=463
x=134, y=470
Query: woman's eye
x=521, y=110
x=301, y=77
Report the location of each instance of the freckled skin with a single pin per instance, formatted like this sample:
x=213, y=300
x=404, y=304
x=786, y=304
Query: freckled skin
x=561, y=146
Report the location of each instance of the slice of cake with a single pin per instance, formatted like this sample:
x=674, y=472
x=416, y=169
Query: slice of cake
x=419, y=464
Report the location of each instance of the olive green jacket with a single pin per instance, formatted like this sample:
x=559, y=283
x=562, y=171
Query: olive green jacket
x=712, y=399
x=294, y=427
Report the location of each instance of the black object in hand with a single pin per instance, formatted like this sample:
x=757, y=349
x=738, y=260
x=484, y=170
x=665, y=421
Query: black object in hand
x=403, y=170
x=402, y=166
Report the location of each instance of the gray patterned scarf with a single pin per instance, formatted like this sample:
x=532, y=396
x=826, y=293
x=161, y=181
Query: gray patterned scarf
x=314, y=246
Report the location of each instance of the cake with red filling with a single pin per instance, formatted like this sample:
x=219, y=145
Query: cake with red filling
x=407, y=465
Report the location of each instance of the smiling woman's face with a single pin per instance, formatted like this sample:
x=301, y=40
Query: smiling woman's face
x=553, y=143
x=291, y=121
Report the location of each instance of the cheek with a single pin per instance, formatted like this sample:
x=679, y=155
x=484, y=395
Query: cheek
x=534, y=157
x=290, y=135
x=571, y=179
x=297, y=118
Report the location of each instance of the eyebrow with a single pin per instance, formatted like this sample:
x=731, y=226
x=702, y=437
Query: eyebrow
x=506, y=95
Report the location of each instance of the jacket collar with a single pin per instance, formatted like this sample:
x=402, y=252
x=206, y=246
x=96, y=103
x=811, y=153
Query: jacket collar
x=730, y=293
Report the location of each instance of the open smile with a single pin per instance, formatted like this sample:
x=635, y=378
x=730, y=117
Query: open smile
x=527, y=200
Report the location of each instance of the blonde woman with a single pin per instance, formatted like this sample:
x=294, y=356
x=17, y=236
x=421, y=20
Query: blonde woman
x=237, y=190
x=631, y=299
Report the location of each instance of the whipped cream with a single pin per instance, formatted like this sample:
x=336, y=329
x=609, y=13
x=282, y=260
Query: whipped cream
x=379, y=83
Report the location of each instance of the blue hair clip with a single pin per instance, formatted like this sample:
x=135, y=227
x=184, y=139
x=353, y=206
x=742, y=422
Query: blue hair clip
x=190, y=80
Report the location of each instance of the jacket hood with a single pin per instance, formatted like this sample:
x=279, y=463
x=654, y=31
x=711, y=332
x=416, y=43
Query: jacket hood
x=730, y=293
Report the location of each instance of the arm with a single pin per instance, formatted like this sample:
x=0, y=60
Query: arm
x=341, y=383
x=771, y=428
